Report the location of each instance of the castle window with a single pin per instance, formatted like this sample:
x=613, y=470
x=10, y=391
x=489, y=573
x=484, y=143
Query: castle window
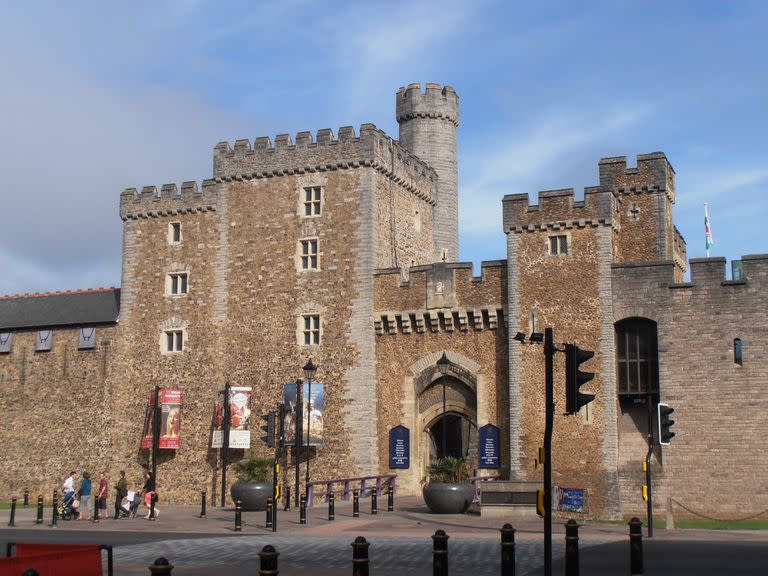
x=311, y=329
x=176, y=284
x=6, y=342
x=637, y=356
x=43, y=340
x=558, y=245
x=738, y=355
x=313, y=196
x=174, y=341
x=174, y=233
x=87, y=340
x=309, y=254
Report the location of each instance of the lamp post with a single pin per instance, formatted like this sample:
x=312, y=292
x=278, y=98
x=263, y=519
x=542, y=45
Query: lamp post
x=309, y=373
x=442, y=365
x=297, y=426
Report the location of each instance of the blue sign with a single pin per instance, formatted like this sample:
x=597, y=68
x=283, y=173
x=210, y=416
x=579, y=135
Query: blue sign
x=489, y=448
x=399, y=447
x=569, y=499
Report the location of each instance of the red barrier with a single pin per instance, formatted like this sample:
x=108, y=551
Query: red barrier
x=54, y=560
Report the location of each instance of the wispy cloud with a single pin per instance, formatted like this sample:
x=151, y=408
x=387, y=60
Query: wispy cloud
x=706, y=184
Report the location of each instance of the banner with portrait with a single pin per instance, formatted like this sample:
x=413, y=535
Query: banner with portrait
x=170, y=420
x=239, y=418
x=312, y=409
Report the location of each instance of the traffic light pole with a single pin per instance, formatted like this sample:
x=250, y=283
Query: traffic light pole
x=226, y=416
x=649, y=454
x=549, y=355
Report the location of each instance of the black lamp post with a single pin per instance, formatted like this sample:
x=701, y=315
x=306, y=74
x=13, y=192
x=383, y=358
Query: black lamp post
x=309, y=373
x=442, y=365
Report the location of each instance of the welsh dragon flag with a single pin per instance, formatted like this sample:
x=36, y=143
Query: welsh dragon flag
x=707, y=228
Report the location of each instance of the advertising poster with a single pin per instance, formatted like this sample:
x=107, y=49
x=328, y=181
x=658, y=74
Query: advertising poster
x=313, y=406
x=146, y=433
x=239, y=418
x=170, y=425
x=569, y=499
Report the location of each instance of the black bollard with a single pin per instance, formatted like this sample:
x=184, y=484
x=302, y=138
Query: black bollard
x=507, y=550
x=238, y=517
x=268, y=561
x=55, y=510
x=302, y=509
x=355, y=504
x=287, y=506
x=26, y=497
x=391, y=499
x=39, y=519
x=269, y=512
x=360, y=560
x=202, y=504
x=331, y=507
x=374, y=505
x=161, y=566
x=96, y=510
x=12, y=522
x=635, y=546
x=440, y=553
x=571, y=548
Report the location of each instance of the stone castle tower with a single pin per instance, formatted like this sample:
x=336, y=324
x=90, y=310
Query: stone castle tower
x=428, y=123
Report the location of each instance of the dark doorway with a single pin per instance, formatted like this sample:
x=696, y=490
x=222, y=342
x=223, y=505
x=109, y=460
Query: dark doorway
x=450, y=433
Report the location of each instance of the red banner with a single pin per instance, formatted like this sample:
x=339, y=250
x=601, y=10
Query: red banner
x=54, y=560
x=170, y=420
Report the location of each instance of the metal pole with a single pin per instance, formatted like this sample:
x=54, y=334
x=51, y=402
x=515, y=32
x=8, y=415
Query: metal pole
x=225, y=444
x=648, y=456
x=298, y=424
x=155, y=434
x=549, y=354
x=309, y=418
x=274, y=493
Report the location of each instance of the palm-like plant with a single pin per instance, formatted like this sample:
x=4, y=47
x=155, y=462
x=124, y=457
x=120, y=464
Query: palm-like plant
x=448, y=469
x=254, y=468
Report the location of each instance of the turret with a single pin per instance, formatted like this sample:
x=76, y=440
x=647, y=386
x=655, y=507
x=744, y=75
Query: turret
x=428, y=122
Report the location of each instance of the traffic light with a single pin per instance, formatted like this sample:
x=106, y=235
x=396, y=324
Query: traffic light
x=269, y=428
x=665, y=424
x=575, y=378
x=540, y=510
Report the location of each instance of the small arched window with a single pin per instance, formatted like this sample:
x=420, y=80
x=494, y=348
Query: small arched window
x=637, y=356
x=738, y=355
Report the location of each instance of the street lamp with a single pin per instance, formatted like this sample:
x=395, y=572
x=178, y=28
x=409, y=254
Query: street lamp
x=442, y=365
x=309, y=373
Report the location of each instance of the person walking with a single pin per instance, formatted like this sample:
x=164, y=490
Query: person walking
x=149, y=492
x=121, y=492
x=101, y=496
x=86, y=497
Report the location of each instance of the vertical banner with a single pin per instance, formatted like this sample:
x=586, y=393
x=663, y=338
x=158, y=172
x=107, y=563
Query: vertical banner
x=489, y=449
x=239, y=418
x=313, y=405
x=291, y=414
x=170, y=427
x=147, y=432
x=399, y=447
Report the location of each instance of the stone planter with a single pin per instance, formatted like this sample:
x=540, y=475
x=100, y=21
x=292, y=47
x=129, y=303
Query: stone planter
x=252, y=495
x=448, y=498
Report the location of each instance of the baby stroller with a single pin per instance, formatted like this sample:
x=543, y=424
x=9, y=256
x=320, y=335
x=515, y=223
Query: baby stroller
x=129, y=505
x=68, y=507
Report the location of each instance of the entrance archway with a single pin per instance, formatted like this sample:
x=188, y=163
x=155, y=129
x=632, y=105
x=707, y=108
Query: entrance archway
x=453, y=435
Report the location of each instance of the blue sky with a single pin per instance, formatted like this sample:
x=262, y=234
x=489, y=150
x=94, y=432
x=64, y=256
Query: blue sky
x=101, y=96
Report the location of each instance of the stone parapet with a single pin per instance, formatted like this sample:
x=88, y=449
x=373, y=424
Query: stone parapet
x=169, y=201
x=556, y=210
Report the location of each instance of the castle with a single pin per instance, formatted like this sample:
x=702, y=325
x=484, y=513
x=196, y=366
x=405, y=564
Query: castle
x=342, y=248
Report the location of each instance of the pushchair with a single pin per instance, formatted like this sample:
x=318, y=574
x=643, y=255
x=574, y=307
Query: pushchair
x=68, y=507
x=130, y=504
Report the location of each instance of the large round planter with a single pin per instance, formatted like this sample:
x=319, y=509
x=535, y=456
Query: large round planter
x=447, y=498
x=252, y=495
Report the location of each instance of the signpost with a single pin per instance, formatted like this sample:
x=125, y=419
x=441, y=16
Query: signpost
x=489, y=449
x=399, y=447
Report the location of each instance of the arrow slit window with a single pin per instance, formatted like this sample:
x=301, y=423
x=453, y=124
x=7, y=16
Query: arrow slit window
x=637, y=354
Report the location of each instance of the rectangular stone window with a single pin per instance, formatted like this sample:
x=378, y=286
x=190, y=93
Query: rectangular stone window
x=177, y=283
x=6, y=342
x=43, y=340
x=174, y=341
x=313, y=196
x=87, y=339
x=311, y=329
x=174, y=233
x=309, y=254
x=558, y=245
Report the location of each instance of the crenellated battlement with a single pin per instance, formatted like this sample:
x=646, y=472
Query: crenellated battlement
x=653, y=172
x=557, y=209
x=435, y=102
x=169, y=200
x=286, y=157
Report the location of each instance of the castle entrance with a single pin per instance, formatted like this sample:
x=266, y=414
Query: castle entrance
x=452, y=435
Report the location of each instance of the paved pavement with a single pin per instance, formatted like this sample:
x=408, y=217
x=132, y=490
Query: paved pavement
x=400, y=543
